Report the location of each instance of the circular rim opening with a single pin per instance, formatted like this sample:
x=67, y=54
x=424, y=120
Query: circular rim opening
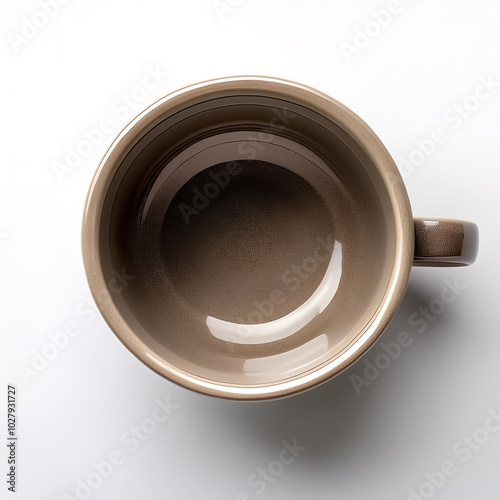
x=328, y=107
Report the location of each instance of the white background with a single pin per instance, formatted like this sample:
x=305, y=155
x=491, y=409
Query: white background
x=405, y=82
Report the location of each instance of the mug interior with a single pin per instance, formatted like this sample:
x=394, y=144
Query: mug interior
x=247, y=240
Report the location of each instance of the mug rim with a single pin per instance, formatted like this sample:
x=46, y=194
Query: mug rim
x=237, y=85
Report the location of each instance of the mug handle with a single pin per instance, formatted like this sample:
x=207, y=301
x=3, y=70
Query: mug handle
x=445, y=242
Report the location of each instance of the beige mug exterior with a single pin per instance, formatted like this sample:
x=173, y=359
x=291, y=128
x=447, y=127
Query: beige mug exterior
x=431, y=242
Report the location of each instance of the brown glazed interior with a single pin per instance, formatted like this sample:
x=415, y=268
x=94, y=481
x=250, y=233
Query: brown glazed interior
x=247, y=237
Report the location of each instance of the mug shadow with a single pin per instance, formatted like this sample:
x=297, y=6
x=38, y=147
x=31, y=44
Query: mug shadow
x=332, y=417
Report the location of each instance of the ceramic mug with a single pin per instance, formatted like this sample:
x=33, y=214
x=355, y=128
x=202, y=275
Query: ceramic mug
x=251, y=237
